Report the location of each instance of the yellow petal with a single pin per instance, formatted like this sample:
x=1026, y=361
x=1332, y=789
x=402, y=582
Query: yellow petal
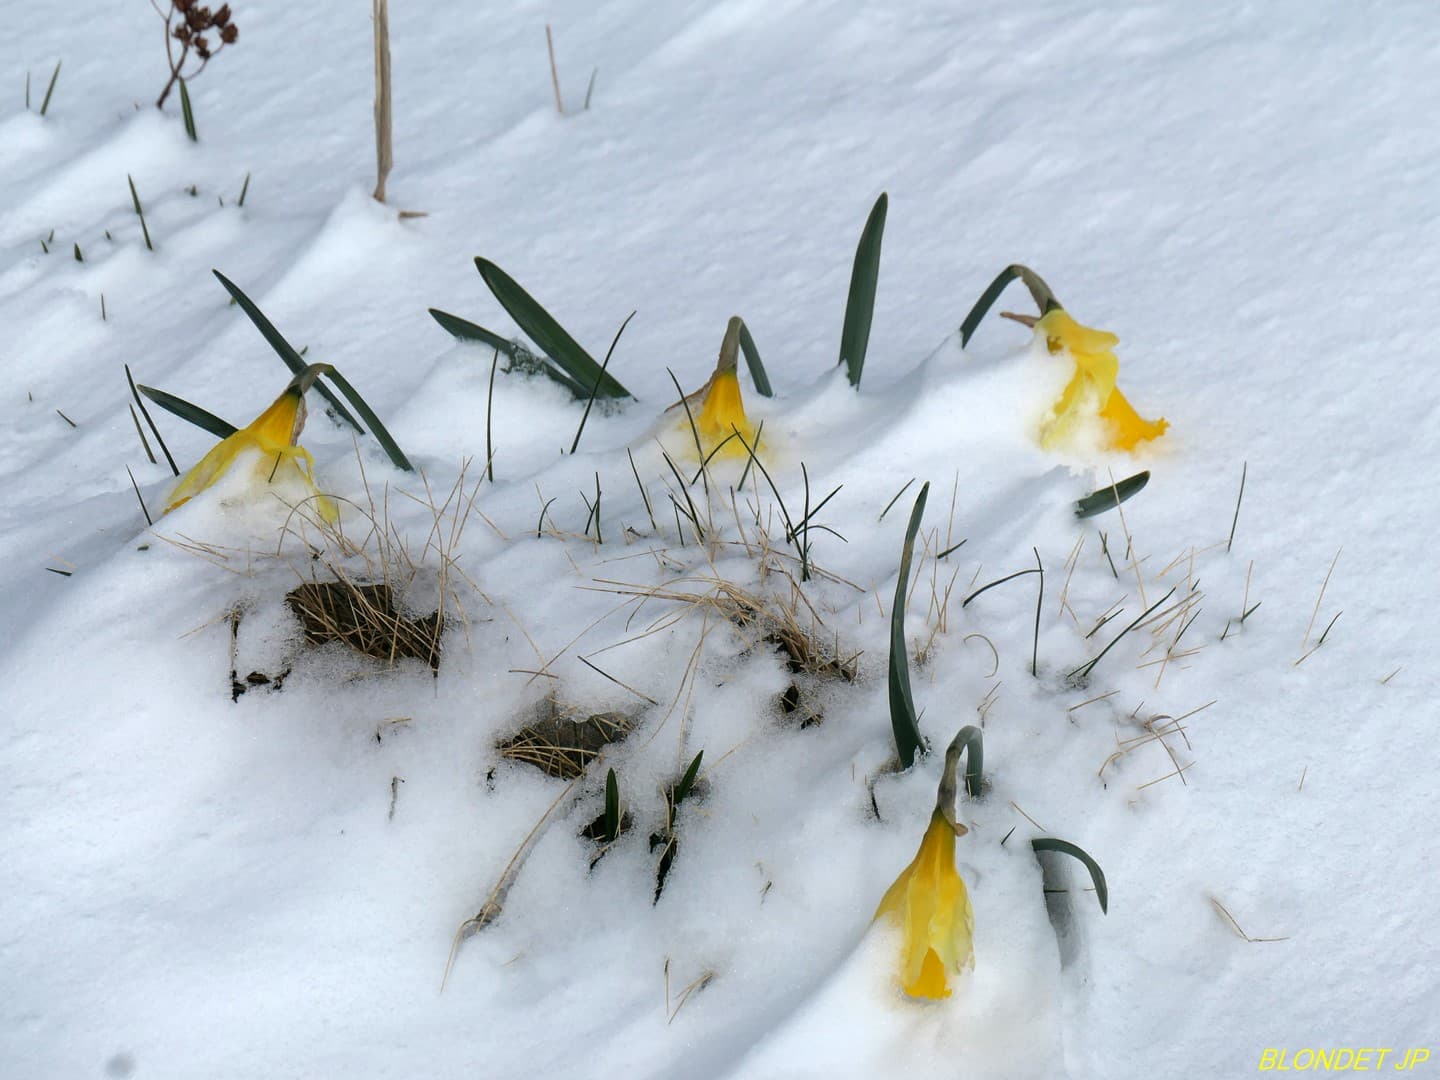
x=1127, y=428
x=209, y=469
x=721, y=415
x=280, y=424
x=1063, y=332
x=931, y=982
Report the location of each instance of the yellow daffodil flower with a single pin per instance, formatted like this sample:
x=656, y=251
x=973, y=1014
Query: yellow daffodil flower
x=720, y=415
x=930, y=903
x=1092, y=388
x=273, y=436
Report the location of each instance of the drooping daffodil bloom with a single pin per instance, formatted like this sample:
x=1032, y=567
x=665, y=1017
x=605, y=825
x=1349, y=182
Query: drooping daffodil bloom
x=929, y=902
x=1091, y=391
x=268, y=446
x=717, y=409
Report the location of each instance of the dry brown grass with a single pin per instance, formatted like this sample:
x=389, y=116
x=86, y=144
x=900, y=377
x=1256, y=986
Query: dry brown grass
x=364, y=618
x=561, y=741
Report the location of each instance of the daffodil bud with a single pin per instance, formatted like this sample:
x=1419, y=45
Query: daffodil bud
x=929, y=901
x=721, y=425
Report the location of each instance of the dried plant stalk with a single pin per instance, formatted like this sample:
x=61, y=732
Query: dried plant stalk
x=384, y=156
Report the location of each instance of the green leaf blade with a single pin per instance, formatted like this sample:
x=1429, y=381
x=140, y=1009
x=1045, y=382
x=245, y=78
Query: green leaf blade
x=1111, y=496
x=1044, y=298
x=283, y=348
x=378, y=429
x=1102, y=891
x=860, y=304
x=752, y=361
x=206, y=421
x=682, y=789
x=465, y=330
x=612, y=807
x=187, y=112
x=902, y=703
x=541, y=327
x=971, y=742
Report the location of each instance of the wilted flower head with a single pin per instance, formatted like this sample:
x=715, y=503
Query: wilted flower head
x=273, y=435
x=1091, y=391
x=929, y=901
x=187, y=22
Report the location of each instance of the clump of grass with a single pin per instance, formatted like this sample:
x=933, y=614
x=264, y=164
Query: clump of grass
x=367, y=595
x=363, y=616
x=774, y=620
x=1082, y=672
x=560, y=742
x=797, y=534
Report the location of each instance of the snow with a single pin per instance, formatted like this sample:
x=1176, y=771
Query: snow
x=271, y=886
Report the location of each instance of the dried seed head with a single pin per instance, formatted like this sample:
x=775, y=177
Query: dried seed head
x=229, y=34
x=202, y=47
x=222, y=17
x=181, y=6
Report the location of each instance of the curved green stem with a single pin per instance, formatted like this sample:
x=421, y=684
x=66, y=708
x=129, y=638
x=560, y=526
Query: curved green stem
x=1044, y=299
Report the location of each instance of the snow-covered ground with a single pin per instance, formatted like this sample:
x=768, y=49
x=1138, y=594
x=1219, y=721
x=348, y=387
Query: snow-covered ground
x=1247, y=194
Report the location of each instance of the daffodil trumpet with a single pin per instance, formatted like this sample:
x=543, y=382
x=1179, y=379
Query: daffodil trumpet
x=715, y=414
x=928, y=900
x=274, y=436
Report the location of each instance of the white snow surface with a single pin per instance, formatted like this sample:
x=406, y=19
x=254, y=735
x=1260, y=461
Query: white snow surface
x=1248, y=194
